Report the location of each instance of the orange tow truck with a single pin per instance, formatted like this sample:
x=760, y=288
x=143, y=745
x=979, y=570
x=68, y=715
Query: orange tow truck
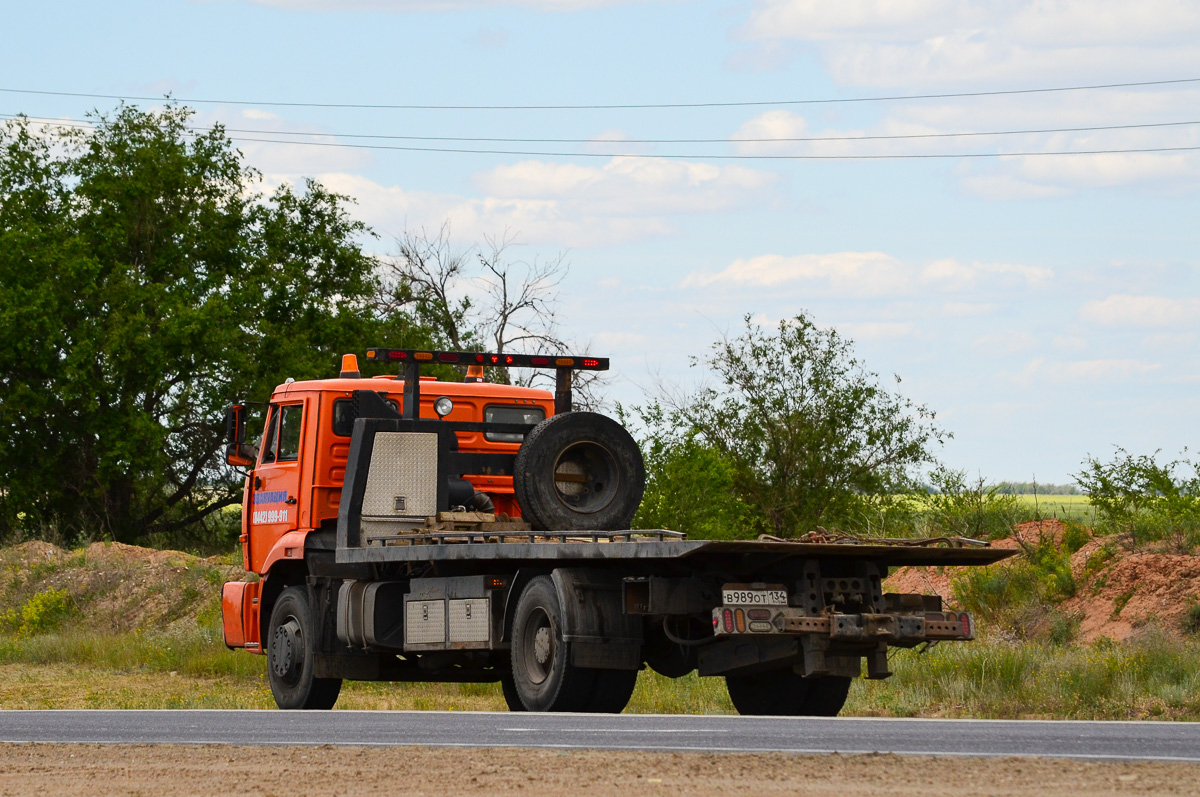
x=407, y=529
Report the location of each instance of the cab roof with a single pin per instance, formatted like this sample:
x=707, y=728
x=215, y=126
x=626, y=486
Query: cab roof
x=391, y=384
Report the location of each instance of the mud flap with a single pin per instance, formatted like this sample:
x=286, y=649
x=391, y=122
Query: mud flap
x=602, y=636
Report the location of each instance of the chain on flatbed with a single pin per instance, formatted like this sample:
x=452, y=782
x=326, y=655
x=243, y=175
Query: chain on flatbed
x=532, y=537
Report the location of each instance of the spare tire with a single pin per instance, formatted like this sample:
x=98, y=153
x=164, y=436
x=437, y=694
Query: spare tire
x=579, y=471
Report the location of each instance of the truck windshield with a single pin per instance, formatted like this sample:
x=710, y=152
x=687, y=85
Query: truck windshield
x=510, y=413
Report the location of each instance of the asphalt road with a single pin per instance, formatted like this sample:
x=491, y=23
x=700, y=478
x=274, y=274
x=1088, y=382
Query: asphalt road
x=1150, y=741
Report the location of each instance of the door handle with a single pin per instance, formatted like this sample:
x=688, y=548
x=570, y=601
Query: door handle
x=257, y=483
x=291, y=500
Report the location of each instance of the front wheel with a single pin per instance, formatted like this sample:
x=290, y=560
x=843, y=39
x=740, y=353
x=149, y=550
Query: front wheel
x=291, y=659
x=782, y=693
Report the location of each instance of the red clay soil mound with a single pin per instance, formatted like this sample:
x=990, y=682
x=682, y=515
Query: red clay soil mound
x=1117, y=591
x=1034, y=533
x=925, y=580
x=1133, y=591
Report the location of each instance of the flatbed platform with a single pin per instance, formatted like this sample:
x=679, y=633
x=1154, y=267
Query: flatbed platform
x=655, y=545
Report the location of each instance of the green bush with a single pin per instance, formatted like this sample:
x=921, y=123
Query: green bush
x=972, y=508
x=1149, y=501
x=43, y=612
x=1191, y=618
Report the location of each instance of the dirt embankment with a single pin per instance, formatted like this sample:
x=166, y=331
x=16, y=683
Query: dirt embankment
x=1117, y=590
x=166, y=771
x=117, y=587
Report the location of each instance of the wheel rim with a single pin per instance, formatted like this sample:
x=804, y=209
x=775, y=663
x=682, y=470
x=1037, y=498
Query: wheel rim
x=287, y=651
x=538, y=647
x=586, y=477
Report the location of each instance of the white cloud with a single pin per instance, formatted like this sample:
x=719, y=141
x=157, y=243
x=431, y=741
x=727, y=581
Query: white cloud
x=965, y=309
x=1106, y=370
x=401, y=6
x=1102, y=369
x=1070, y=343
x=1171, y=340
x=923, y=42
x=630, y=186
x=1006, y=343
x=868, y=273
x=871, y=274
x=877, y=330
x=1015, y=165
x=258, y=113
x=950, y=274
x=1142, y=311
x=561, y=204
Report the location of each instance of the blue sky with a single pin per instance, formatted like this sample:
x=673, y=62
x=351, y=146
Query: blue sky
x=1047, y=307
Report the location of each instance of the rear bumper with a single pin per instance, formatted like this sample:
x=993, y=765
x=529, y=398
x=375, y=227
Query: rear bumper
x=901, y=630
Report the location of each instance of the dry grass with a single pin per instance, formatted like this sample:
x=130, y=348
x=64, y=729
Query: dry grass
x=60, y=653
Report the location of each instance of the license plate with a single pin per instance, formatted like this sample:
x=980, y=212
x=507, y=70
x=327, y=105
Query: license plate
x=767, y=595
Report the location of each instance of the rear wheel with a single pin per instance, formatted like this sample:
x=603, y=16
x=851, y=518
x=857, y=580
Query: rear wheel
x=543, y=677
x=611, y=691
x=782, y=693
x=291, y=659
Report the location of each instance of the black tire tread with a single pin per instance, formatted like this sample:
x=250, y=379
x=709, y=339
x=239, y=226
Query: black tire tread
x=571, y=686
x=782, y=693
x=310, y=692
x=611, y=691
x=533, y=470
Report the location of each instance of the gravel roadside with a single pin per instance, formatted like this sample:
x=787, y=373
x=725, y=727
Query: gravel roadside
x=168, y=770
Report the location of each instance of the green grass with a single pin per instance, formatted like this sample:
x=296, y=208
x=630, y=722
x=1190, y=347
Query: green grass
x=1077, y=508
x=1152, y=677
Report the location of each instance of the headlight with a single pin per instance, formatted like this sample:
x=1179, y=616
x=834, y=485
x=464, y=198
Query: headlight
x=443, y=406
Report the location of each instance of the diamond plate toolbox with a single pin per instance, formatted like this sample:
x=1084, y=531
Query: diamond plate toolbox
x=425, y=622
x=402, y=479
x=469, y=620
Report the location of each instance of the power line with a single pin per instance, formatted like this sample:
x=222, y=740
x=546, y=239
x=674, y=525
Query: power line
x=670, y=156
x=598, y=107
x=711, y=157
x=899, y=137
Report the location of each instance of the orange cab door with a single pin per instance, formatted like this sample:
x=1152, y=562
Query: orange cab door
x=275, y=494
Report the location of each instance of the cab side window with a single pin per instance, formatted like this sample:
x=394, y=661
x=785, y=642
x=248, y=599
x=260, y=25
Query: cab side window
x=291, y=424
x=268, y=446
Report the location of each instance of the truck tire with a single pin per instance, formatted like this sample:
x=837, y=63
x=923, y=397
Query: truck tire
x=611, y=691
x=827, y=694
x=509, y=687
x=290, y=656
x=579, y=471
x=543, y=676
x=782, y=693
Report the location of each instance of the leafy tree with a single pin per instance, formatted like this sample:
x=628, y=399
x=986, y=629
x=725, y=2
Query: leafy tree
x=806, y=432
x=146, y=283
x=689, y=487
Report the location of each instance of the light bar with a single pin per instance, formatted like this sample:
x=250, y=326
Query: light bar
x=498, y=360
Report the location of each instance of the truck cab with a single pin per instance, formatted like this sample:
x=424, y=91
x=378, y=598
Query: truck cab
x=296, y=482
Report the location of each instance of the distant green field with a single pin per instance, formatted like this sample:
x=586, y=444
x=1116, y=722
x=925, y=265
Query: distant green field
x=1064, y=507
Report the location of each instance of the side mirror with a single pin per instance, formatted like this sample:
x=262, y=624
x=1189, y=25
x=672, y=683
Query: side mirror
x=237, y=452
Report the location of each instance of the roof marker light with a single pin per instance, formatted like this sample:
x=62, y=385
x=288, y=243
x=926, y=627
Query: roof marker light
x=350, y=367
